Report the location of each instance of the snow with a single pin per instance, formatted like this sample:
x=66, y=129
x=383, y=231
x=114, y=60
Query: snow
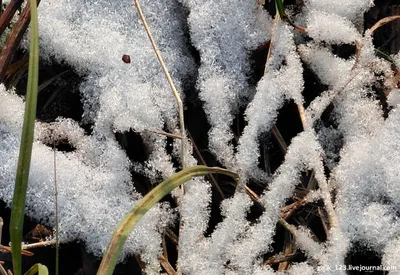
x=360, y=192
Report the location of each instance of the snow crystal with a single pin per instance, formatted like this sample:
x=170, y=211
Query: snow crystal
x=302, y=268
x=349, y=9
x=394, y=97
x=94, y=186
x=307, y=244
x=224, y=32
x=280, y=82
x=331, y=28
x=331, y=70
x=361, y=150
x=392, y=256
x=367, y=187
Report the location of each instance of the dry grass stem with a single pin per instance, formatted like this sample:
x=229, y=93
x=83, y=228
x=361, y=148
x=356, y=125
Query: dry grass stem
x=289, y=249
x=170, y=82
x=7, y=15
x=14, y=39
x=280, y=258
x=302, y=115
x=164, y=134
x=252, y=194
x=279, y=139
x=382, y=22
x=203, y=162
x=8, y=249
x=171, y=235
x=167, y=266
x=43, y=244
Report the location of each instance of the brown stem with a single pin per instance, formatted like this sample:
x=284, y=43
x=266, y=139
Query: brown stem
x=203, y=162
x=382, y=22
x=167, y=266
x=15, y=39
x=8, y=14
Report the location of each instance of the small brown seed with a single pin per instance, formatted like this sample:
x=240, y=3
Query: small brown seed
x=126, y=58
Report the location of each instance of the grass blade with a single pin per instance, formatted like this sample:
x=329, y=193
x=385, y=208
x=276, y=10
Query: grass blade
x=39, y=269
x=280, y=8
x=132, y=217
x=21, y=181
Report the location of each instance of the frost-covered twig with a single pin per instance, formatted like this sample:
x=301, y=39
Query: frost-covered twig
x=44, y=243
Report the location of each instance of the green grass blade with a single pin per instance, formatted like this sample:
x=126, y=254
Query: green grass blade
x=280, y=8
x=21, y=181
x=384, y=55
x=39, y=269
x=132, y=217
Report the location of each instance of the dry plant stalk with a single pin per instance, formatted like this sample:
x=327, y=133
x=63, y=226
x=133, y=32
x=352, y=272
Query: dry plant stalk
x=43, y=244
x=167, y=266
x=382, y=22
x=7, y=15
x=8, y=249
x=170, y=82
x=14, y=39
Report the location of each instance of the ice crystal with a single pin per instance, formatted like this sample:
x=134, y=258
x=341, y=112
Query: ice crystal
x=354, y=161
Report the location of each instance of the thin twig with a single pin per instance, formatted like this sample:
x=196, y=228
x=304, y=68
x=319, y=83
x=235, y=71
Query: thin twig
x=164, y=134
x=272, y=41
x=170, y=82
x=279, y=138
x=382, y=22
x=141, y=264
x=167, y=266
x=203, y=162
x=251, y=193
x=289, y=249
x=14, y=39
x=288, y=227
x=171, y=235
x=8, y=14
x=288, y=210
x=324, y=220
x=164, y=247
x=8, y=249
x=44, y=243
x=302, y=115
x=280, y=258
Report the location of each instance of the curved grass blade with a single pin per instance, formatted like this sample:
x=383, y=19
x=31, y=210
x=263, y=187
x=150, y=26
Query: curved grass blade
x=132, y=217
x=21, y=181
x=39, y=269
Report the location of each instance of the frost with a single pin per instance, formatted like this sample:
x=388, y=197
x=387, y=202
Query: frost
x=302, y=268
x=391, y=256
x=353, y=161
x=278, y=84
x=349, y=9
x=85, y=179
x=331, y=70
x=372, y=171
x=331, y=28
x=224, y=32
x=394, y=97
